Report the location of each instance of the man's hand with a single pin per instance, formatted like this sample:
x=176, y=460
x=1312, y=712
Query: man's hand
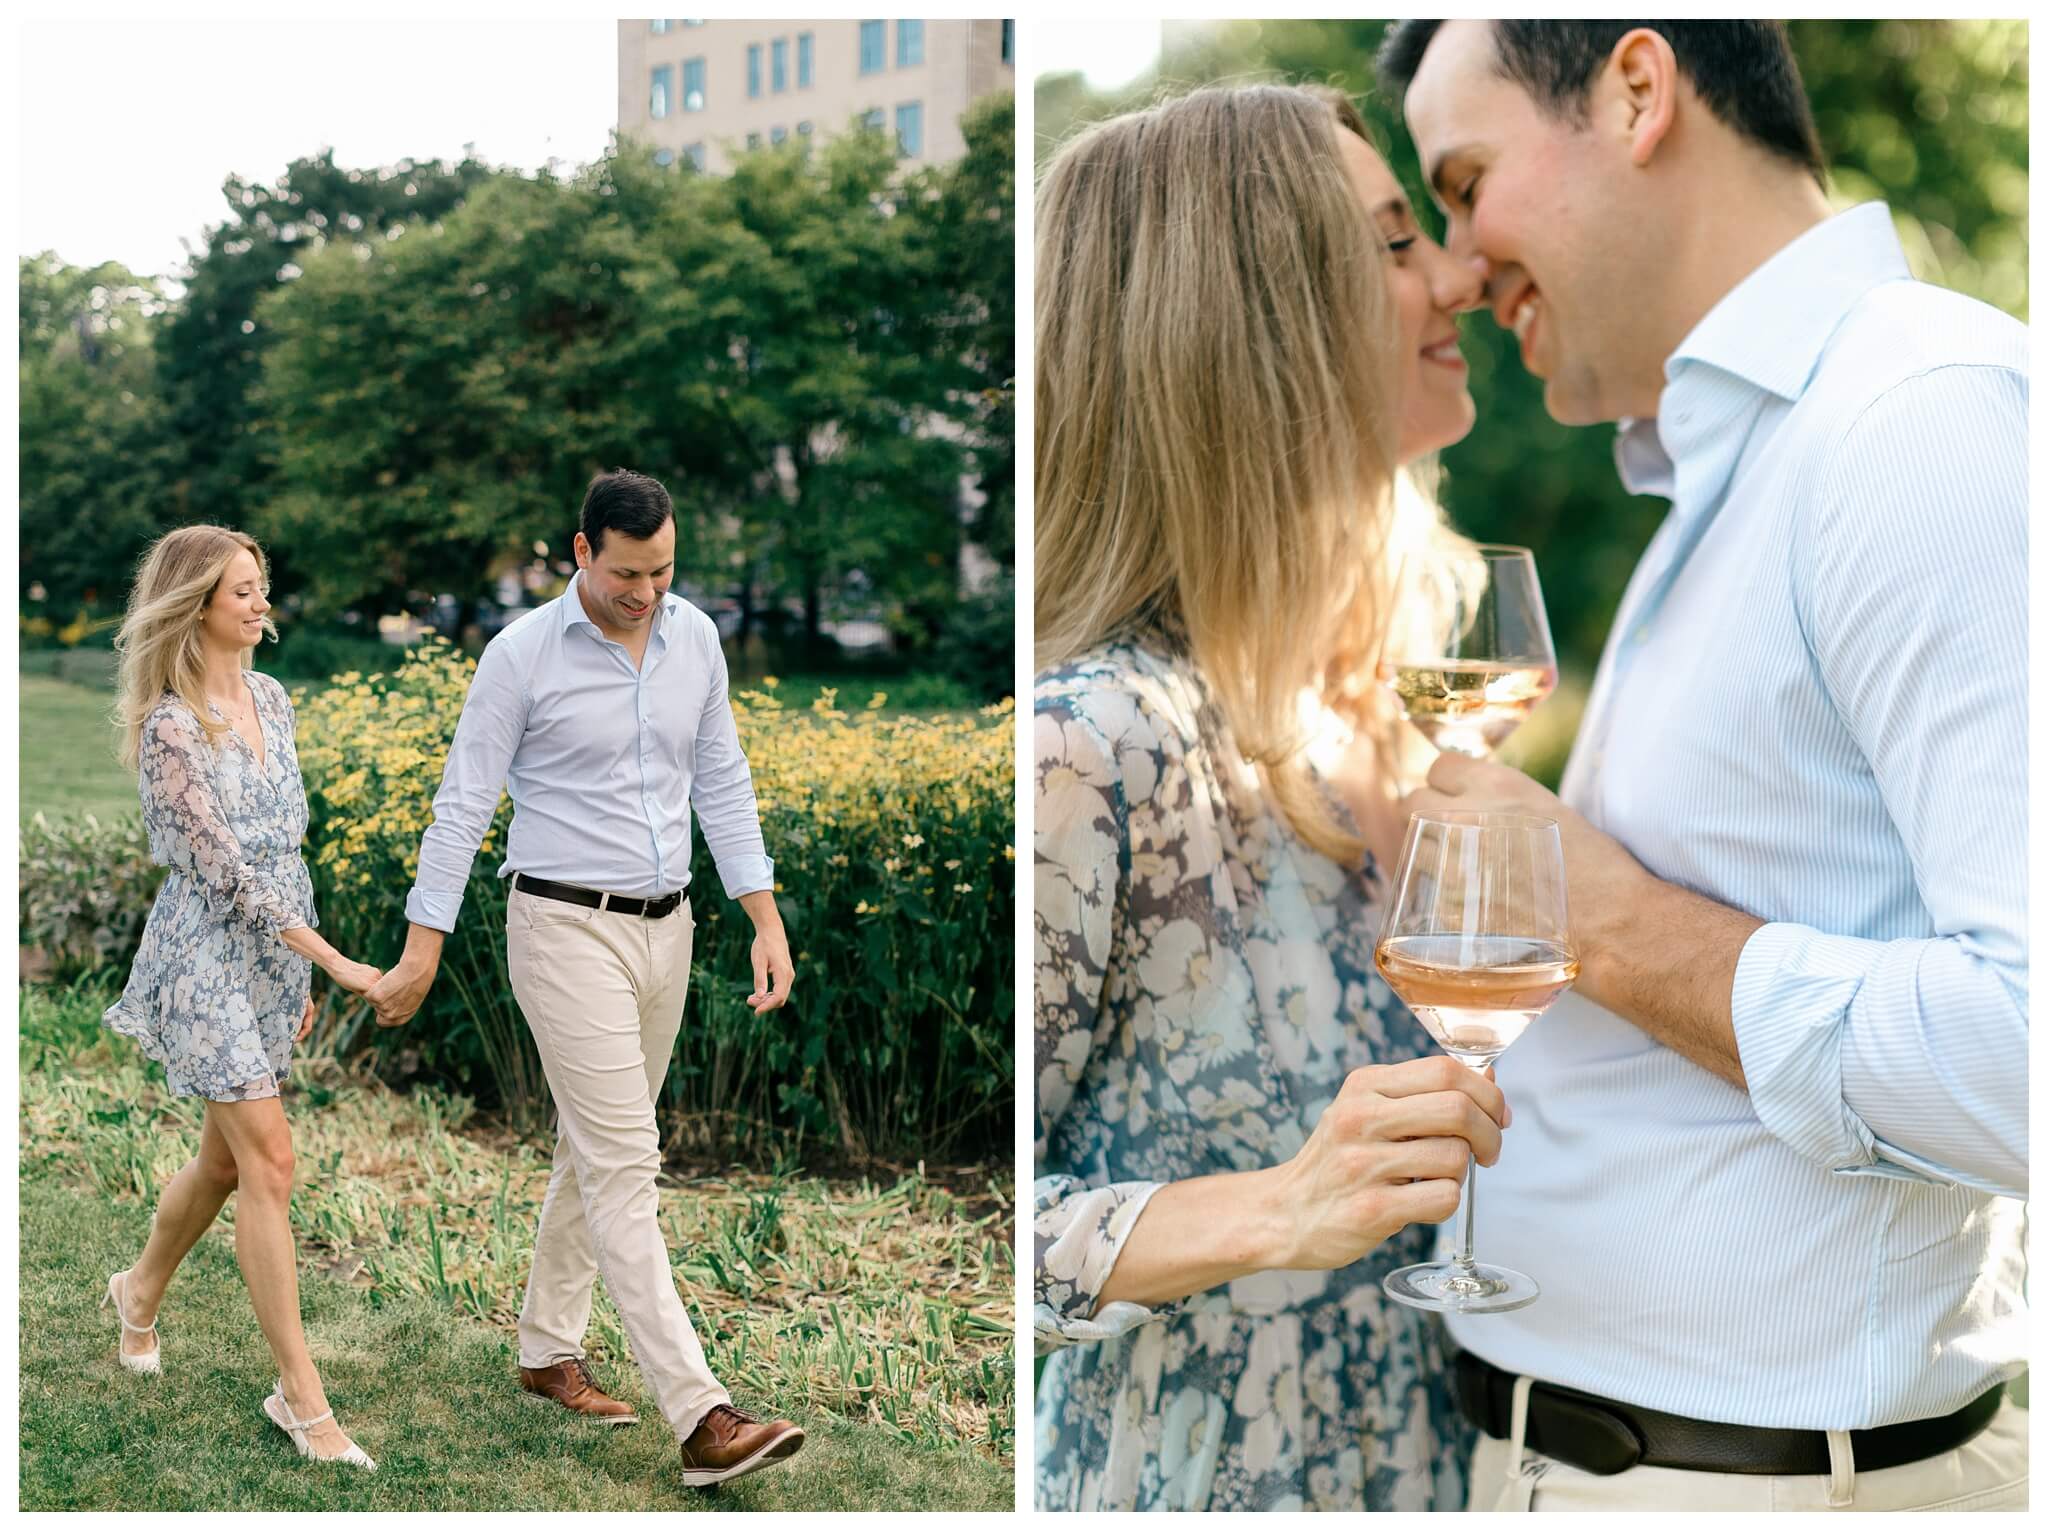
x=773, y=971
x=400, y=993
x=1603, y=882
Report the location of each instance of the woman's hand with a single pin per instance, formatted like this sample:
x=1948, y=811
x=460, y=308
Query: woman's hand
x=1389, y=1151
x=356, y=977
x=305, y=1021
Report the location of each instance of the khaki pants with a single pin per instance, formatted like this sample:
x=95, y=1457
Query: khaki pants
x=1986, y=1472
x=603, y=994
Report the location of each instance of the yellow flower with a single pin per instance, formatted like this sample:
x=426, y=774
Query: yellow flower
x=913, y=841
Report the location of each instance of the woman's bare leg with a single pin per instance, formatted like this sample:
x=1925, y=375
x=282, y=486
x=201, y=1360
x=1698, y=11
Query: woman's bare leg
x=186, y=1210
x=260, y=1140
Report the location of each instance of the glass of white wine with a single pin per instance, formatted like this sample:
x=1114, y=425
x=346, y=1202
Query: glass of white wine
x=1477, y=943
x=1475, y=655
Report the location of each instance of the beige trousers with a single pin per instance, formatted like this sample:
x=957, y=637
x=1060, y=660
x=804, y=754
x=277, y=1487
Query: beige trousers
x=1987, y=1472
x=603, y=995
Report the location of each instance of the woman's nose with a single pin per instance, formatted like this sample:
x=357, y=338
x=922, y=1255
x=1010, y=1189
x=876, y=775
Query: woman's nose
x=1457, y=283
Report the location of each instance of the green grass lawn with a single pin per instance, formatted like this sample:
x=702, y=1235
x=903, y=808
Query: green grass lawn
x=877, y=1317
x=432, y=1398
x=68, y=764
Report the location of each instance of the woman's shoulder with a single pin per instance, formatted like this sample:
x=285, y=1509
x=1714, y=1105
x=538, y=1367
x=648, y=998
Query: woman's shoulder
x=270, y=689
x=1126, y=694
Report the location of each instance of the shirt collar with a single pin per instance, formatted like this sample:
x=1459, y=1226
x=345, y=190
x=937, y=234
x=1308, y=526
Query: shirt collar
x=1770, y=329
x=573, y=614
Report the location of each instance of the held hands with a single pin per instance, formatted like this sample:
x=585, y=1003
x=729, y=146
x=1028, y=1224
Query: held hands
x=1390, y=1150
x=401, y=992
x=356, y=977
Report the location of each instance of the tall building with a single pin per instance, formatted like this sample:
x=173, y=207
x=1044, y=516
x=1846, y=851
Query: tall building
x=708, y=90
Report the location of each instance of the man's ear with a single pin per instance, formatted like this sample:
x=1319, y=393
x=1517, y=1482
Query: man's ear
x=1637, y=93
x=582, y=547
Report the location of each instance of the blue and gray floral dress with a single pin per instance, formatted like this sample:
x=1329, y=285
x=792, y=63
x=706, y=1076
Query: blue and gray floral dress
x=214, y=995
x=1204, y=985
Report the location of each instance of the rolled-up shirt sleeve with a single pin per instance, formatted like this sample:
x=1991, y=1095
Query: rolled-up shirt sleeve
x=1082, y=856
x=492, y=723
x=1909, y=1057
x=722, y=790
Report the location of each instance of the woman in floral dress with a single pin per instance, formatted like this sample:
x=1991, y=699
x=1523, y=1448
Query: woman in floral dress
x=1241, y=336
x=221, y=985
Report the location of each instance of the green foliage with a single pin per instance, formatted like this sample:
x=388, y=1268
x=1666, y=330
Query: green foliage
x=1931, y=116
x=891, y=836
x=402, y=379
x=86, y=888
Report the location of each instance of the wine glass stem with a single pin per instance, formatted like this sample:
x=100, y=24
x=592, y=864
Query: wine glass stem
x=1464, y=1258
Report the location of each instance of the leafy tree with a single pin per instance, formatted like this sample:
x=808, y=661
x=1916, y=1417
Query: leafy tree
x=210, y=354
x=93, y=459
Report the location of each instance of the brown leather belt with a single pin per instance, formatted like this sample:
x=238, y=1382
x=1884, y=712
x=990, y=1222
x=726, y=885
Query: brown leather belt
x=590, y=898
x=1597, y=1435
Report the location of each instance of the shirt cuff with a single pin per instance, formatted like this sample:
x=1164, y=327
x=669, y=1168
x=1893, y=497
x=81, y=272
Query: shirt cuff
x=435, y=910
x=745, y=874
x=1793, y=989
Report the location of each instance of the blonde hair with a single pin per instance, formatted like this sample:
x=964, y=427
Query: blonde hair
x=159, y=637
x=1217, y=418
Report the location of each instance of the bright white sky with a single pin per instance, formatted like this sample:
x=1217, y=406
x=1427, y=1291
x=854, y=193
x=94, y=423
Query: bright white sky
x=128, y=128
x=1109, y=52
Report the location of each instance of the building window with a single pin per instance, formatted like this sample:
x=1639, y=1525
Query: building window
x=874, y=47
x=664, y=156
x=753, y=69
x=1009, y=42
x=909, y=44
x=658, y=93
x=693, y=85
x=910, y=129
x=753, y=142
x=694, y=153
x=778, y=65
x=778, y=135
x=658, y=27
x=872, y=121
x=803, y=61
x=803, y=130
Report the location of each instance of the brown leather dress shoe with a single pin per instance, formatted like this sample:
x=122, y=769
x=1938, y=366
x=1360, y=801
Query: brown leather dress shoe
x=728, y=1444
x=570, y=1384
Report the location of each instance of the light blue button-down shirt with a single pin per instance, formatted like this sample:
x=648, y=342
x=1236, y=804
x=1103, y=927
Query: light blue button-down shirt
x=603, y=762
x=1812, y=707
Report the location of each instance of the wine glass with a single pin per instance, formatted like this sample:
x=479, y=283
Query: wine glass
x=1477, y=944
x=1474, y=655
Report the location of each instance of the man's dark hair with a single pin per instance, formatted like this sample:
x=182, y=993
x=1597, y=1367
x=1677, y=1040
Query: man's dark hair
x=1743, y=70
x=622, y=501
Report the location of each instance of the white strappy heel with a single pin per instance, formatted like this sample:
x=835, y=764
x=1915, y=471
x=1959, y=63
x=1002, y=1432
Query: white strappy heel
x=151, y=1364
x=281, y=1416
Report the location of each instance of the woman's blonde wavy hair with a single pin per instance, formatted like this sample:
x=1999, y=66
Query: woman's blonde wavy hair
x=1217, y=420
x=159, y=637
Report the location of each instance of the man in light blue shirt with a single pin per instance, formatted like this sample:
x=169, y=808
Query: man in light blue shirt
x=604, y=713
x=1769, y=1159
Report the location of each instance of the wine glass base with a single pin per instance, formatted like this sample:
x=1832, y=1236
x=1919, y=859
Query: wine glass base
x=1445, y=1287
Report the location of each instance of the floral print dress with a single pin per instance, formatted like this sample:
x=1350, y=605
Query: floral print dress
x=1204, y=985
x=214, y=995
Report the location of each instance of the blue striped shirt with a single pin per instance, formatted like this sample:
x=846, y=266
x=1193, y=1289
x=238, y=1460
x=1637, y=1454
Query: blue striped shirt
x=603, y=761
x=1813, y=707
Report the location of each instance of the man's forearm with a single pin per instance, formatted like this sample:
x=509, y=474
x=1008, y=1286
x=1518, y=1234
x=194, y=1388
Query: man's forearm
x=422, y=948
x=1664, y=958
x=760, y=908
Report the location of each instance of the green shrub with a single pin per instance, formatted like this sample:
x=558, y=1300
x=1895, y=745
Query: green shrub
x=86, y=888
